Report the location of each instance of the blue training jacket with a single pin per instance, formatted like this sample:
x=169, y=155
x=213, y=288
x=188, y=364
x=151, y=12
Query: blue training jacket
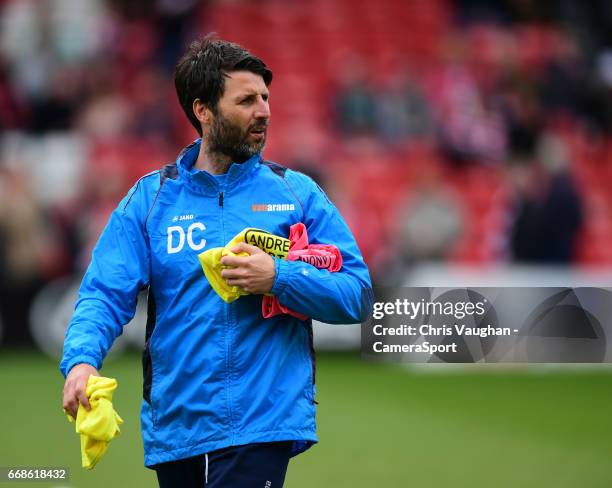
x=216, y=374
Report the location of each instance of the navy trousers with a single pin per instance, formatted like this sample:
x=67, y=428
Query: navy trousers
x=261, y=465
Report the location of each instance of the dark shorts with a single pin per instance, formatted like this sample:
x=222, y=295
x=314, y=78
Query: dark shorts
x=261, y=465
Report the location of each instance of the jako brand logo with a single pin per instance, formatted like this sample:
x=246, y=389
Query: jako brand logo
x=180, y=218
x=177, y=237
x=272, y=207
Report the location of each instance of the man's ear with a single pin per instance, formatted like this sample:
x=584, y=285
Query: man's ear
x=202, y=112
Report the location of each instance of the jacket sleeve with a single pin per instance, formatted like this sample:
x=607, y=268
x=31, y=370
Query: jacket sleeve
x=119, y=269
x=337, y=298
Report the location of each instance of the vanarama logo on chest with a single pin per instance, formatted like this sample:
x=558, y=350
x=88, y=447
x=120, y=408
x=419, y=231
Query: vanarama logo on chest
x=272, y=207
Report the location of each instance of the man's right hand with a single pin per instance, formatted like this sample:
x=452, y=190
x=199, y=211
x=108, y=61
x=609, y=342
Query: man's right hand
x=75, y=388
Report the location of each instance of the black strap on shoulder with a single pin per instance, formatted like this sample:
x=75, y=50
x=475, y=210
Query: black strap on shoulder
x=169, y=171
x=275, y=167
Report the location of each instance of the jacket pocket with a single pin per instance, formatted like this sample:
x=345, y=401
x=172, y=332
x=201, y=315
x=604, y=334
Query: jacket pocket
x=311, y=388
x=147, y=361
x=147, y=373
x=147, y=382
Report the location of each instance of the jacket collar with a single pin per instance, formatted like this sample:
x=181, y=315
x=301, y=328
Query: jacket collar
x=204, y=182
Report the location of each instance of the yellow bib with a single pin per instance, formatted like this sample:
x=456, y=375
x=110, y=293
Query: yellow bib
x=99, y=425
x=211, y=259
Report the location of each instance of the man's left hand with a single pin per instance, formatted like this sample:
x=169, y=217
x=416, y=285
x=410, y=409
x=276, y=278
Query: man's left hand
x=254, y=273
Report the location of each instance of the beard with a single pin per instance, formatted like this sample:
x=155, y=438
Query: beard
x=229, y=139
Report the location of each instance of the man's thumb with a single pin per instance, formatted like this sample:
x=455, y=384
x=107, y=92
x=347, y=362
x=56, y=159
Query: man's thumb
x=244, y=247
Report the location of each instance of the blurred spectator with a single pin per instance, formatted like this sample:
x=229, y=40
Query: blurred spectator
x=354, y=101
x=599, y=104
x=470, y=129
x=26, y=252
x=30, y=242
x=13, y=113
x=548, y=213
x=55, y=108
x=564, y=82
x=402, y=112
x=431, y=223
x=152, y=119
x=106, y=117
x=177, y=22
x=519, y=105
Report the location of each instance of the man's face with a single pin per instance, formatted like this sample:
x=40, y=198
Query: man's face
x=238, y=129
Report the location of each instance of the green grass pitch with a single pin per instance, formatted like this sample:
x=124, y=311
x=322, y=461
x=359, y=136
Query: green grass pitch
x=379, y=425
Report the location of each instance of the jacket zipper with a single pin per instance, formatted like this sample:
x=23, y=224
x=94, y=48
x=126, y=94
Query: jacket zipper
x=227, y=320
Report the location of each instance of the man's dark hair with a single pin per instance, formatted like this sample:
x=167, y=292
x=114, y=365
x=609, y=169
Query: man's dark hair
x=202, y=70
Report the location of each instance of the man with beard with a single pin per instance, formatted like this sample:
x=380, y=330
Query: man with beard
x=228, y=396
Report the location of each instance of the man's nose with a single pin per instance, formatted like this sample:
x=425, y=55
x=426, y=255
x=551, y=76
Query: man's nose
x=262, y=111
